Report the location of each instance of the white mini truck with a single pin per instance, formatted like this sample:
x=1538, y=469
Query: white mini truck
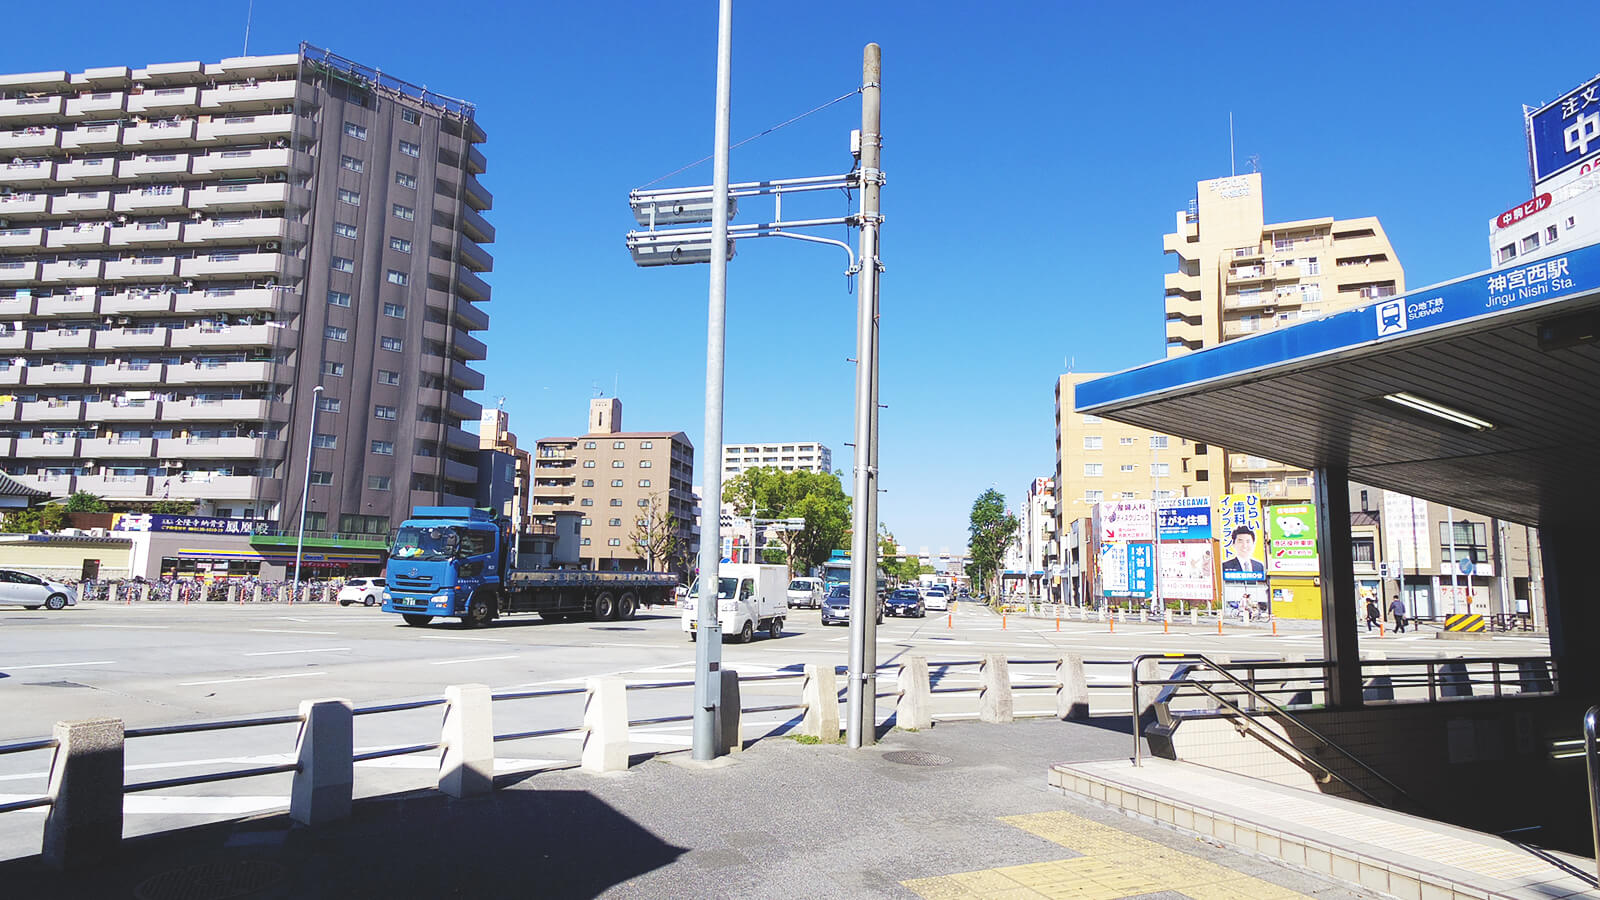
x=750, y=598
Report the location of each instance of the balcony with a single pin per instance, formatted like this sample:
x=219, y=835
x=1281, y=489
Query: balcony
x=70, y=270
x=62, y=339
x=33, y=139
x=459, y=471
x=136, y=302
x=20, y=108
x=195, y=410
x=13, y=340
x=223, y=230
x=159, y=133
x=129, y=373
x=79, y=202
x=80, y=304
x=146, y=233
x=21, y=238
x=100, y=105
x=210, y=336
x=82, y=171
x=47, y=448
x=1182, y=282
x=466, y=409
x=471, y=286
x=471, y=318
x=166, y=101
x=23, y=205
x=151, y=164
x=104, y=136
x=145, y=338
x=1252, y=300
x=15, y=307
x=477, y=197
x=121, y=410
x=469, y=347
x=99, y=449
x=219, y=448
x=57, y=485
x=142, y=268
x=464, y=376
x=51, y=411
x=240, y=196
x=151, y=200
x=475, y=226
x=117, y=487
x=212, y=487
x=83, y=234
x=245, y=95
x=222, y=263
x=461, y=440
x=256, y=372
x=17, y=272
x=233, y=300
x=1249, y=274
x=244, y=162
x=256, y=127
x=474, y=257
x=12, y=376
x=1242, y=328
x=27, y=172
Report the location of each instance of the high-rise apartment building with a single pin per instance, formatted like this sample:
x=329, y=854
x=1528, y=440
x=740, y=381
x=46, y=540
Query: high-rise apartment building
x=1239, y=275
x=621, y=482
x=791, y=456
x=187, y=250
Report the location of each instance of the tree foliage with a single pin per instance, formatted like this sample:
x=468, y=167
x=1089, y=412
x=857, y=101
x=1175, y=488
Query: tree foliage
x=85, y=502
x=173, y=507
x=818, y=498
x=903, y=569
x=989, y=530
x=50, y=517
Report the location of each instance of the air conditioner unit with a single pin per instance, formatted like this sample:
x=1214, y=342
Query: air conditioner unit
x=272, y=246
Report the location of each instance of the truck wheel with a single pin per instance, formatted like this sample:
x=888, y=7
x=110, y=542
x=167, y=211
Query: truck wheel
x=479, y=612
x=775, y=628
x=748, y=632
x=416, y=618
x=627, y=606
x=605, y=607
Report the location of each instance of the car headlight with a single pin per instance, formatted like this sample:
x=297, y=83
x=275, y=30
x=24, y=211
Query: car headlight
x=386, y=597
x=440, y=598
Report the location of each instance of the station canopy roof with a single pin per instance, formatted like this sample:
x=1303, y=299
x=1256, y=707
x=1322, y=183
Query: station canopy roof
x=1482, y=392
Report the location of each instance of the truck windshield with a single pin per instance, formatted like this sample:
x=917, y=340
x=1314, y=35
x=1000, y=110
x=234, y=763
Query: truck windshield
x=725, y=588
x=434, y=543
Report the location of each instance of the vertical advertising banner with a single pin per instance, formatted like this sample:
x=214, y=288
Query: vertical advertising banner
x=1186, y=571
x=1127, y=570
x=1405, y=528
x=1240, y=525
x=1292, y=539
x=1113, y=565
x=1141, y=569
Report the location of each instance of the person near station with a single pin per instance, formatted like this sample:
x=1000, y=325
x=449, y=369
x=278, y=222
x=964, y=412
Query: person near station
x=1372, y=612
x=1241, y=552
x=1398, y=610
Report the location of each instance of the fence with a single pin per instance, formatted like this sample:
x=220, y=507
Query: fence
x=235, y=590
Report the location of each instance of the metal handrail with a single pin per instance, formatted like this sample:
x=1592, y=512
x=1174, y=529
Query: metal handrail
x=1591, y=755
x=206, y=779
x=24, y=746
x=159, y=730
x=1271, y=706
x=528, y=695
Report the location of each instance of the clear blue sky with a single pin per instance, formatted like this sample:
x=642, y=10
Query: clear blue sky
x=1036, y=152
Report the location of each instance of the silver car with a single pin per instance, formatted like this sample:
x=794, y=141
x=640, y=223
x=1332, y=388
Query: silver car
x=22, y=589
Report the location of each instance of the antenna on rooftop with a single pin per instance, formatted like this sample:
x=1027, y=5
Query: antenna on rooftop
x=249, y=13
x=1232, y=169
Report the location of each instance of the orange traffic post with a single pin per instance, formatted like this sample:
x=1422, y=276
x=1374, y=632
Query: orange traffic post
x=1113, y=623
x=1219, y=623
x=1164, y=628
x=1274, y=627
x=1002, y=621
x=1380, y=628
x=950, y=620
x=1058, y=621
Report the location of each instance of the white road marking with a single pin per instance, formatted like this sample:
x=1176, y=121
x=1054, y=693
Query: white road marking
x=311, y=650
x=250, y=678
x=125, y=626
x=294, y=618
x=451, y=637
x=287, y=631
x=98, y=662
x=451, y=662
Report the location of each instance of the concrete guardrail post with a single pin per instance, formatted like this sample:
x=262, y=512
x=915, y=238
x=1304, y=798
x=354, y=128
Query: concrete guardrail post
x=1533, y=677
x=144, y=591
x=911, y=709
x=605, y=725
x=820, y=693
x=1072, y=688
x=730, y=729
x=84, y=825
x=994, y=702
x=1100, y=614
x=1194, y=617
x=466, y=743
x=233, y=593
x=1454, y=680
x=255, y=593
x=325, y=781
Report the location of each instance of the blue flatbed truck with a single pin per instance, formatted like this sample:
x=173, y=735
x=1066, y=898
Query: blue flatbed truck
x=459, y=562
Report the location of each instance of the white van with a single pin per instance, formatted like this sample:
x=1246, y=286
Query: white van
x=806, y=592
x=750, y=598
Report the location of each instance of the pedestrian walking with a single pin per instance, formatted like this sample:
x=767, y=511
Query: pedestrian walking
x=1372, y=612
x=1398, y=610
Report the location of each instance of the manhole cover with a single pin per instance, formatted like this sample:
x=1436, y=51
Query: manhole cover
x=211, y=881
x=916, y=758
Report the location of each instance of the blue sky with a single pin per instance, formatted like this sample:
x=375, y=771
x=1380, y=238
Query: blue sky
x=1035, y=154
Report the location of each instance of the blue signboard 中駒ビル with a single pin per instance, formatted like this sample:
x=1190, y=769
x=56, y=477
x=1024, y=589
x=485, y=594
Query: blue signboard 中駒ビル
x=1566, y=132
x=1184, y=519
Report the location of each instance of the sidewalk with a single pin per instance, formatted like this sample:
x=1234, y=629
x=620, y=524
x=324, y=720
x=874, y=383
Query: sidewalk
x=965, y=811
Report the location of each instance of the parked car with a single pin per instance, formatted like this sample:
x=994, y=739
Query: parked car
x=938, y=598
x=906, y=602
x=836, y=609
x=806, y=592
x=365, y=591
x=32, y=592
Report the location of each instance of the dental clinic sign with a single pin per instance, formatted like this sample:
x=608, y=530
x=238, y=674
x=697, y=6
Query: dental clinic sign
x=1564, y=134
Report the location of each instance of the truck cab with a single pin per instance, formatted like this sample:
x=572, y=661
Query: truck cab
x=750, y=598
x=447, y=561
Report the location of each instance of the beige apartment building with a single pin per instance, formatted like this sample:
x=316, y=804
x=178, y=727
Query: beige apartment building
x=615, y=479
x=1239, y=275
x=1098, y=459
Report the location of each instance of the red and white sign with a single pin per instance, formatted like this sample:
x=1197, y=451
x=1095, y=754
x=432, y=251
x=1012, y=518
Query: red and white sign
x=1517, y=213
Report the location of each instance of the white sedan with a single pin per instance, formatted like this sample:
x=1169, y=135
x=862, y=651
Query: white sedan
x=22, y=589
x=937, y=598
x=365, y=591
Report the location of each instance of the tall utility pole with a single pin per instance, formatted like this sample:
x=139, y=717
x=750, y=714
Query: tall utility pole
x=861, y=727
x=708, y=645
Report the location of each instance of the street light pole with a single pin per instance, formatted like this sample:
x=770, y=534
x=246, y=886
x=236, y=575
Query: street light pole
x=708, y=646
x=305, y=491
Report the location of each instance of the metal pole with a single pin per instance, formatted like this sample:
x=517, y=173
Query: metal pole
x=862, y=720
x=305, y=491
x=708, y=646
x=1590, y=755
x=1455, y=586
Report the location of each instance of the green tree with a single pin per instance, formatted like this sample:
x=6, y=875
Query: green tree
x=990, y=528
x=85, y=502
x=816, y=498
x=172, y=507
x=50, y=517
x=903, y=569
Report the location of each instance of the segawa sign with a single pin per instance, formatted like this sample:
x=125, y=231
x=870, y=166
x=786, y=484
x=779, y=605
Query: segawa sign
x=1517, y=213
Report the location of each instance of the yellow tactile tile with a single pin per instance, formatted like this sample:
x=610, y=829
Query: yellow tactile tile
x=1113, y=864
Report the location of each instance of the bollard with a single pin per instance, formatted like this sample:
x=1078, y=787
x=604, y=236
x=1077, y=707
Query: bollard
x=1112, y=627
x=324, y=748
x=605, y=725
x=1072, y=688
x=1058, y=620
x=1274, y=627
x=144, y=591
x=1380, y=628
x=1219, y=621
x=1002, y=621
x=1194, y=617
x=255, y=593
x=950, y=620
x=994, y=701
x=1166, y=627
x=911, y=708
x=820, y=692
x=234, y=594
x=730, y=728
x=1144, y=616
x=84, y=825
x=466, y=742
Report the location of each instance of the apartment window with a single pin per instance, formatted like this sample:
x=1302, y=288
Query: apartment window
x=340, y=229
x=326, y=441
x=1310, y=265
x=616, y=501
x=643, y=502
x=1311, y=293
x=616, y=482
x=335, y=333
x=1471, y=542
x=619, y=445
x=410, y=116
x=614, y=542
x=338, y=298
x=1093, y=496
x=1160, y=470
x=359, y=132
x=585, y=542
x=383, y=448
x=644, y=464
x=1126, y=467
x=384, y=412
x=329, y=404
x=410, y=149
x=387, y=377
x=588, y=445
x=644, y=482
x=394, y=344
x=405, y=181
x=588, y=464
x=321, y=477
x=1093, y=470
x=394, y=310
x=404, y=212
x=336, y=369
x=396, y=276
x=340, y=264
x=586, y=521
x=617, y=464
x=348, y=196
x=1158, y=442
x=1092, y=441
x=1550, y=235
x=647, y=445
x=377, y=482
x=1508, y=253
x=401, y=244
x=1530, y=243
x=615, y=523
x=351, y=163
x=1363, y=550
x=1126, y=442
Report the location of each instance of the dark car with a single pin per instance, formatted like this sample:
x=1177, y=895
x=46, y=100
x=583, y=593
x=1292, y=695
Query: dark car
x=906, y=602
x=836, y=608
